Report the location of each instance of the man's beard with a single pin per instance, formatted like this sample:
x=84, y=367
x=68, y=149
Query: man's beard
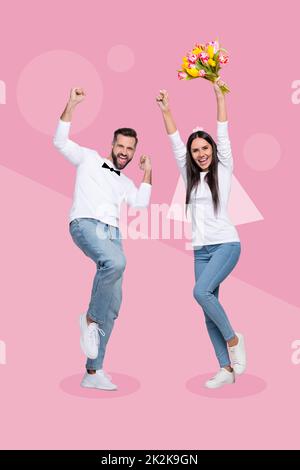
x=116, y=163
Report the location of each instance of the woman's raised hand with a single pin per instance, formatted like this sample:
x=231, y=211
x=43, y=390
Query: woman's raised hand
x=163, y=101
x=217, y=84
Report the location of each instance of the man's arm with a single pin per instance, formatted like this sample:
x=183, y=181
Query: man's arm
x=146, y=167
x=72, y=151
x=76, y=96
x=140, y=197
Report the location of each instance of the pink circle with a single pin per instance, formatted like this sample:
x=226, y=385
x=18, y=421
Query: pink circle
x=262, y=152
x=244, y=386
x=120, y=58
x=44, y=87
x=126, y=386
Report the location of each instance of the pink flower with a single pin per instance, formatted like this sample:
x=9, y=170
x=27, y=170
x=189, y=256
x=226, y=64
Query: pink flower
x=223, y=59
x=215, y=45
x=202, y=73
x=204, y=57
x=182, y=75
x=192, y=58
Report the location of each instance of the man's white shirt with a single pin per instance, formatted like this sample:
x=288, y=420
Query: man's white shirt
x=98, y=192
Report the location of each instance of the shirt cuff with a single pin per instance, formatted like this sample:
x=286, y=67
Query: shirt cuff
x=62, y=130
x=62, y=123
x=222, y=127
x=144, y=194
x=145, y=190
x=175, y=138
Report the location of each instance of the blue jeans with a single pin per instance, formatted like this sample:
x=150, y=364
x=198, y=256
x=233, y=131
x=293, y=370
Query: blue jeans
x=102, y=243
x=213, y=263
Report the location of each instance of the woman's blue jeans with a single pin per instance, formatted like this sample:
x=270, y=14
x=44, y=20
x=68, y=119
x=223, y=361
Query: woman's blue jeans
x=213, y=263
x=102, y=243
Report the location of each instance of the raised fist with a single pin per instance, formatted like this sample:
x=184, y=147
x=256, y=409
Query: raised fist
x=163, y=100
x=76, y=95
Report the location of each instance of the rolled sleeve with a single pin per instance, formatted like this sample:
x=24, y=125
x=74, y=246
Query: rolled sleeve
x=179, y=151
x=73, y=152
x=224, y=145
x=139, y=197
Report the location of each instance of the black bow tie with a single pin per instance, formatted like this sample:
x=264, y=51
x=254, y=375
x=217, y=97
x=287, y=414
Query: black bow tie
x=105, y=165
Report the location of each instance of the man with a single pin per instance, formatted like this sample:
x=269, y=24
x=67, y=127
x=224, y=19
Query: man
x=100, y=189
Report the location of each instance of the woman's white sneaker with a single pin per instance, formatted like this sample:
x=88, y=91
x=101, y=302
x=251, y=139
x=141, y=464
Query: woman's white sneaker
x=89, y=337
x=98, y=380
x=222, y=377
x=237, y=355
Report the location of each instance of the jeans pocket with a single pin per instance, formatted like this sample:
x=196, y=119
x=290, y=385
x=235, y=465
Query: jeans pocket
x=102, y=230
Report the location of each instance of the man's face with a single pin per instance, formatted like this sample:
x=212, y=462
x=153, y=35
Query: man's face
x=123, y=150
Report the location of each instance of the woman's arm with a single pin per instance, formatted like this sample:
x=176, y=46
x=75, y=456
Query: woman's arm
x=223, y=142
x=163, y=102
x=221, y=103
x=178, y=146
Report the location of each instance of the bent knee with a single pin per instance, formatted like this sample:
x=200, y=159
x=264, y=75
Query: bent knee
x=118, y=265
x=113, y=265
x=201, y=295
x=121, y=264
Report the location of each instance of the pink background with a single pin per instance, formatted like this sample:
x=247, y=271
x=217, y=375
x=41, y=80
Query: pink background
x=159, y=353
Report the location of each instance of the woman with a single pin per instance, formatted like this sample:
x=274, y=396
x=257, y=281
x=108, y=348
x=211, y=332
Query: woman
x=207, y=168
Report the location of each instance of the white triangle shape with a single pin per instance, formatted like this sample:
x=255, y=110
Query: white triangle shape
x=241, y=208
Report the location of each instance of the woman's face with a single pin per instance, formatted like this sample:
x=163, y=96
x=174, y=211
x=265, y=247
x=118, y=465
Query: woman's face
x=201, y=152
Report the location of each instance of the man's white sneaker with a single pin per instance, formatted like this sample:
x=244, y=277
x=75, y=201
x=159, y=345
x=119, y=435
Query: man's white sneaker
x=222, y=377
x=98, y=380
x=237, y=355
x=89, y=337
x=107, y=375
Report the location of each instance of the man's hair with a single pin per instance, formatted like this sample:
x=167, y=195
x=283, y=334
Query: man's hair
x=127, y=132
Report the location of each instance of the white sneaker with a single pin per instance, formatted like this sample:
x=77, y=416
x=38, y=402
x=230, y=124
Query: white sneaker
x=222, y=377
x=89, y=337
x=98, y=380
x=106, y=374
x=237, y=355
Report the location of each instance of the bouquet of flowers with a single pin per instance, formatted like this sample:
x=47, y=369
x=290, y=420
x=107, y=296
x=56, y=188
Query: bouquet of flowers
x=204, y=61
